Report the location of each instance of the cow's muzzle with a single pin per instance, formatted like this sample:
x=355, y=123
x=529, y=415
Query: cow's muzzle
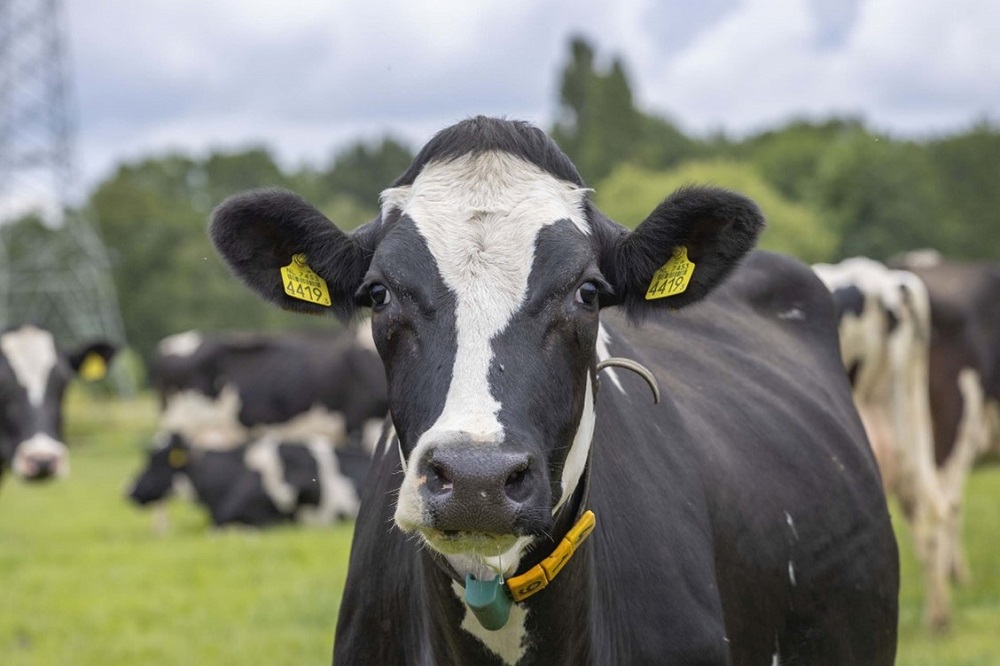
x=476, y=492
x=41, y=458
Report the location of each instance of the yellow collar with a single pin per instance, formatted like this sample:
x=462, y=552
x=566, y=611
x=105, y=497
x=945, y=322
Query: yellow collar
x=537, y=577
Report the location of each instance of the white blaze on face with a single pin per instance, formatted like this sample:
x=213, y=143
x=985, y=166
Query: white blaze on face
x=480, y=216
x=32, y=355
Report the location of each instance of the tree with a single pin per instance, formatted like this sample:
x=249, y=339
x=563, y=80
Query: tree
x=881, y=197
x=968, y=165
x=362, y=171
x=599, y=125
x=630, y=193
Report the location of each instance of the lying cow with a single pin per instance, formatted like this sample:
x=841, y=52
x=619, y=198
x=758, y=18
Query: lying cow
x=221, y=390
x=885, y=338
x=34, y=373
x=260, y=483
x=740, y=521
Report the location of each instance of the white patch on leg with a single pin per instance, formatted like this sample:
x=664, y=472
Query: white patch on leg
x=509, y=643
x=480, y=216
x=791, y=573
x=262, y=457
x=31, y=353
x=337, y=494
x=180, y=344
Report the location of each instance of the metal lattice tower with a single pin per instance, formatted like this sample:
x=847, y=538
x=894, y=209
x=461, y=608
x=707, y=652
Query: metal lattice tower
x=53, y=272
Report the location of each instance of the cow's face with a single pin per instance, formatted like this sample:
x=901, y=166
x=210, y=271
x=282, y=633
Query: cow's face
x=485, y=273
x=34, y=374
x=169, y=455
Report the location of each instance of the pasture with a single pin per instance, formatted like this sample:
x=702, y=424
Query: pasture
x=84, y=579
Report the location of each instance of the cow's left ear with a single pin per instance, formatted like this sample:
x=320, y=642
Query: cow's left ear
x=279, y=244
x=684, y=249
x=90, y=361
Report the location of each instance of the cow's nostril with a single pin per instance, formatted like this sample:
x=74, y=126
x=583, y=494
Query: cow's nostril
x=516, y=487
x=439, y=479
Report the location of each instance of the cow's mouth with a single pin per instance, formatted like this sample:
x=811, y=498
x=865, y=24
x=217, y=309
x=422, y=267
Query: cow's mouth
x=465, y=542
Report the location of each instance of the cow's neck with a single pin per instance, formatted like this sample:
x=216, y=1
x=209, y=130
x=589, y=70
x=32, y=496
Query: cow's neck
x=557, y=617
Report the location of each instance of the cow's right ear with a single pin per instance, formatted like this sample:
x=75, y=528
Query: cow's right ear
x=259, y=232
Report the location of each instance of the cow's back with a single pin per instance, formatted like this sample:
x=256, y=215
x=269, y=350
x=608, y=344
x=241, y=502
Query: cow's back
x=761, y=481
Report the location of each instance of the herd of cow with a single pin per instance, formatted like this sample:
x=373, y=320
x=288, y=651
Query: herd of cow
x=740, y=517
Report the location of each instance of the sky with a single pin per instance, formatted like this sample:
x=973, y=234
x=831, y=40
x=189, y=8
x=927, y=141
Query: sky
x=309, y=77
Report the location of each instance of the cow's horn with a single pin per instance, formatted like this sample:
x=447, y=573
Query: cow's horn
x=637, y=368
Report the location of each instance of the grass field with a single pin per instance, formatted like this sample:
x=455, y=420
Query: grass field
x=84, y=579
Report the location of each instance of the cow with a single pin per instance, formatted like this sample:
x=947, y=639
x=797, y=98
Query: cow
x=220, y=390
x=259, y=483
x=885, y=337
x=964, y=371
x=34, y=374
x=740, y=520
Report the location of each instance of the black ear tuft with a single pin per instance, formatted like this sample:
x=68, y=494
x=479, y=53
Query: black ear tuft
x=258, y=232
x=715, y=226
x=105, y=350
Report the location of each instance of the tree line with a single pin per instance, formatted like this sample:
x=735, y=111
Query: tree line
x=830, y=189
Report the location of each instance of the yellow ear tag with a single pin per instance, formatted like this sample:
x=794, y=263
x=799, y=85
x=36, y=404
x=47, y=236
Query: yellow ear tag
x=302, y=283
x=93, y=368
x=177, y=458
x=673, y=277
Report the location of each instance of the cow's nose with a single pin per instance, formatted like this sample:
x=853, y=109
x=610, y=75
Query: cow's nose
x=41, y=467
x=480, y=488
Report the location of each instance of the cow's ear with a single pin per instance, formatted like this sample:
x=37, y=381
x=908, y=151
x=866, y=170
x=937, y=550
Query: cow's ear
x=684, y=249
x=90, y=361
x=260, y=232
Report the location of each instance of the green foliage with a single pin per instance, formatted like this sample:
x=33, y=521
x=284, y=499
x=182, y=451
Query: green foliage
x=362, y=171
x=630, y=193
x=969, y=167
x=153, y=217
x=881, y=196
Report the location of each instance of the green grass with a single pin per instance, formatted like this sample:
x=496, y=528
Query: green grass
x=84, y=579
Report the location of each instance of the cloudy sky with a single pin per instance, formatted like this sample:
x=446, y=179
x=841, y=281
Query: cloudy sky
x=306, y=77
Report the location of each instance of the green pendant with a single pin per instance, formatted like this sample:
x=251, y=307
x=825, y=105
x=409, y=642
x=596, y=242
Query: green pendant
x=488, y=600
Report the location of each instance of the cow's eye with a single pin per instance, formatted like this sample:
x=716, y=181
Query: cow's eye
x=379, y=295
x=587, y=293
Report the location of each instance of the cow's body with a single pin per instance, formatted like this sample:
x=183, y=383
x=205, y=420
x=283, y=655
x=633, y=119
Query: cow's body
x=740, y=521
x=885, y=337
x=702, y=566
x=964, y=371
x=34, y=373
x=259, y=483
x=219, y=391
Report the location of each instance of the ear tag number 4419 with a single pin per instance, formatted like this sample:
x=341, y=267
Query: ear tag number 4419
x=671, y=278
x=302, y=283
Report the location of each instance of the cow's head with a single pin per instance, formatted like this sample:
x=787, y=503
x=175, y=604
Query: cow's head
x=485, y=273
x=34, y=374
x=169, y=456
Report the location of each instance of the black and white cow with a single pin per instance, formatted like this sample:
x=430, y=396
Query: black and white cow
x=259, y=483
x=34, y=373
x=741, y=520
x=220, y=390
x=885, y=338
x=964, y=371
